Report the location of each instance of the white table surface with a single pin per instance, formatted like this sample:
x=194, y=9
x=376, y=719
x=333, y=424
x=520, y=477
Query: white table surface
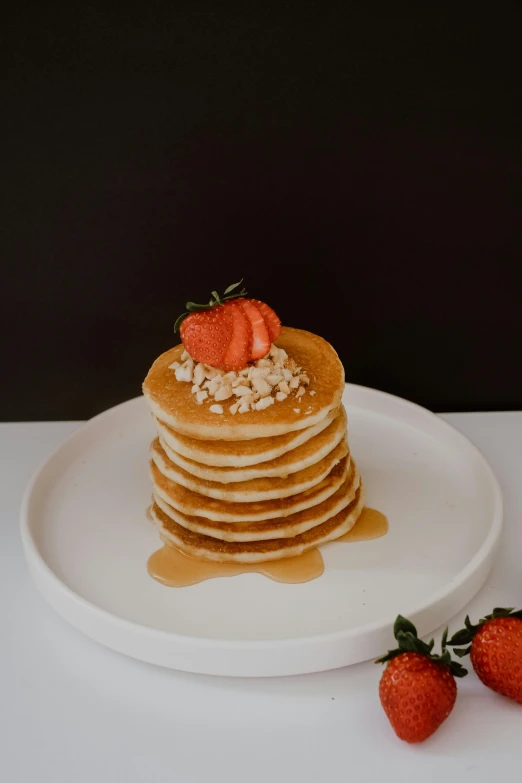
x=73, y=711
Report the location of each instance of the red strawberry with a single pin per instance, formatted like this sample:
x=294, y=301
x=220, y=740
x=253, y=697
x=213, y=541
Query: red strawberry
x=239, y=349
x=417, y=689
x=207, y=335
x=260, y=338
x=496, y=651
x=273, y=324
x=228, y=334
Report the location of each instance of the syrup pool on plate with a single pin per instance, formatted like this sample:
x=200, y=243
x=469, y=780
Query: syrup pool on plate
x=171, y=567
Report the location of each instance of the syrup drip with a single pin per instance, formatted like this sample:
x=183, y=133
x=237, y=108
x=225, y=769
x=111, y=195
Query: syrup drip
x=371, y=524
x=173, y=568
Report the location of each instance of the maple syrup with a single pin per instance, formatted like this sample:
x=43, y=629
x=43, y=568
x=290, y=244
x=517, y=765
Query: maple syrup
x=371, y=524
x=173, y=568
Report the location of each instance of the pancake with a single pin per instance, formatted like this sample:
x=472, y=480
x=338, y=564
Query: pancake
x=172, y=401
x=285, y=527
x=293, y=461
x=207, y=548
x=192, y=504
x=256, y=489
x=225, y=453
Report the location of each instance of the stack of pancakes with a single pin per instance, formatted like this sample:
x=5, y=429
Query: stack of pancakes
x=256, y=486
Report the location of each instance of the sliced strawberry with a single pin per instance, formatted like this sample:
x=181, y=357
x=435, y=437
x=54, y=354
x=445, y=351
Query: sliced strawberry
x=228, y=331
x=273, y=324
x=238, y=351
x=260, y=337
x=207, y=335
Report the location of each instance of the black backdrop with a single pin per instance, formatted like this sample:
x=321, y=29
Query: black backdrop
x=360, y=168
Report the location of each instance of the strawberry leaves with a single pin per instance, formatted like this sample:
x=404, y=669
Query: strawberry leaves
x=214, y=301
x=408, y=641
x=232, y=287
x=466, y=635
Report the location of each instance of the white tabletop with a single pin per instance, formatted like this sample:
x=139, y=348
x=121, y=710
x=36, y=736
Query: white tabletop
x=73, y=711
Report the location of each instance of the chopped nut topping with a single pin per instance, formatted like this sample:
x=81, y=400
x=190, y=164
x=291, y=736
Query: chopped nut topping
x=199, y=374
x=184, y=373
x=271, y=379
x=239, y=391
x=214, y=385
x=224, y=392
x=258, y=372
x=261, y=386
x=265, y=402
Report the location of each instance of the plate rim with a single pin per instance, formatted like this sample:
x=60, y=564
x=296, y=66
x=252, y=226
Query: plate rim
x=36, y=561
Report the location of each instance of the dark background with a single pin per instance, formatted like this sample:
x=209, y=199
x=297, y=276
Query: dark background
x=360, y=167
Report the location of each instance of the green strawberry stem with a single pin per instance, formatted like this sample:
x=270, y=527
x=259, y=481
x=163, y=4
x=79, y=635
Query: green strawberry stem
x=408, y=641
x=214, y=301
x=466, y=635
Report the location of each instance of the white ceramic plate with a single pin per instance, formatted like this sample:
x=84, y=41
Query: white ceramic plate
x=86, y=540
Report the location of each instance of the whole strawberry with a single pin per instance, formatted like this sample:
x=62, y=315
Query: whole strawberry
x=417, y=688
x=495, y=647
